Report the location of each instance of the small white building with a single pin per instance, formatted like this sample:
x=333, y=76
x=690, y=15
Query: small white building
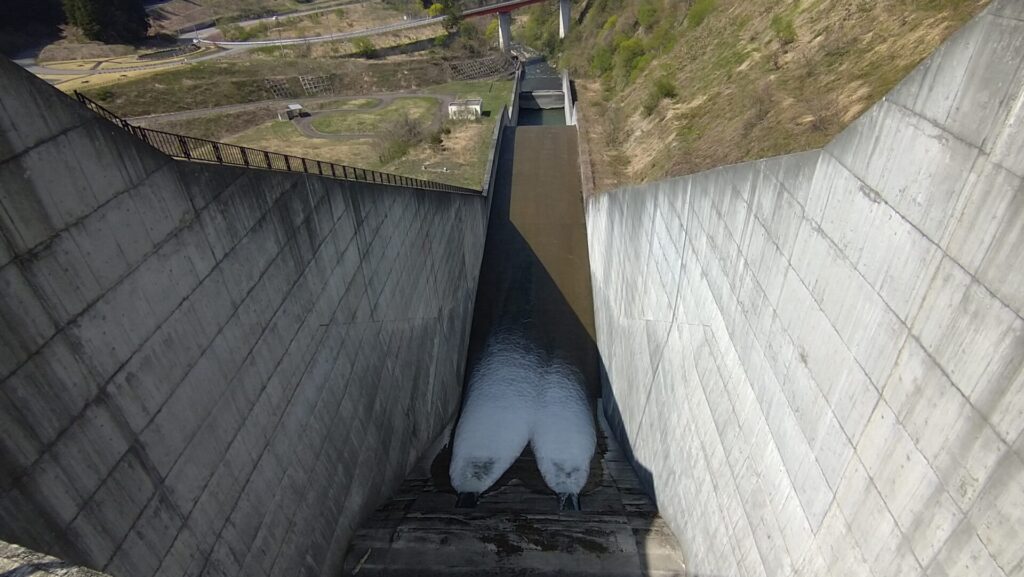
x=469, y=109
x=293, y=111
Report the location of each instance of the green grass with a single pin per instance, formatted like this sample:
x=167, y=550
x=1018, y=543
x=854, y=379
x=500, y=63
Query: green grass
x=699, y=12
x=282, y=136
x=782, y=26
x=344, y=122
x=495, y=94
x=235, y=81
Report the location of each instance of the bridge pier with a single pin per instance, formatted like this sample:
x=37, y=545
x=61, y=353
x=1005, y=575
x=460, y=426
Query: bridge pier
x=505, y=31
x=564, y=14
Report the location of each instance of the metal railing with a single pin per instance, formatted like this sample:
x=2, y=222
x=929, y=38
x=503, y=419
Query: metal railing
x=202, y=150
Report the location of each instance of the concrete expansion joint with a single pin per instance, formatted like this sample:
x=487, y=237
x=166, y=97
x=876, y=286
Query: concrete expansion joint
x=943, y=131
x=54, y=136
x=939, y=247
x=102, y=389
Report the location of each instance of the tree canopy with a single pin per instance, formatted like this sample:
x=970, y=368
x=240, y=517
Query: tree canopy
x=108, y=20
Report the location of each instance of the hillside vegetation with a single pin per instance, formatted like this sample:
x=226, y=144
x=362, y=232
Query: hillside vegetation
x=670, y=87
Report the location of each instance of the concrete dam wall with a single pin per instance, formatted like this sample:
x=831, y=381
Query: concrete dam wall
x=208, y=370
x=816, y=360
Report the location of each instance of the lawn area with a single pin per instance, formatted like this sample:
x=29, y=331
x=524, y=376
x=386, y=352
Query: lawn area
x=234, y=81
x=463, y=152
x=282, y=136
x=218, y=126
x=495, y=93
x=418, y=108
x=459, y=158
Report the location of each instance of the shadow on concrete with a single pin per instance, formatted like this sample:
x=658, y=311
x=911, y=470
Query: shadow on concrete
x=535, y=280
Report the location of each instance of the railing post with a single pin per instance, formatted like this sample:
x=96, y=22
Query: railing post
x=163, y=142
x=184, y=147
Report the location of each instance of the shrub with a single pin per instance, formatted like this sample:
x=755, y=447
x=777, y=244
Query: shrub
x=664, y=37
x=364, y=47
x=647, y=15
x=699, y=12
x=399, y=136
x=662, y=88
x=435, y=10
x=491, y=34
x=783, y=28
x=627, y=55
x=602, y=60
x=610, y=22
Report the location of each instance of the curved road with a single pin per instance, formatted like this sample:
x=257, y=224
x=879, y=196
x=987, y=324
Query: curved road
x=238, y=47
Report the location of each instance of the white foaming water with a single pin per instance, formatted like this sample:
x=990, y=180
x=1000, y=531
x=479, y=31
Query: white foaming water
x=563, y=437
x=497, y=416
x=515, y=397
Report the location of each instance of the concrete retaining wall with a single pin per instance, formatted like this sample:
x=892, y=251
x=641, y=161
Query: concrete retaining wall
x=208, y=370
x=816, y=360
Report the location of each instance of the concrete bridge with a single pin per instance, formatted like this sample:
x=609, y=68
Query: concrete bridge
x=504, y=12
x=807, y=365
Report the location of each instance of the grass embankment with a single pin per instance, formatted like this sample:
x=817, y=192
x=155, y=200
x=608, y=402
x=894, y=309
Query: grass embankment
x=459, y=157
x=465, y=147
x=181, y=14
x=230, y=81
x=669, y=88
x=419, y=109
x=349, y=17
x=282, y=136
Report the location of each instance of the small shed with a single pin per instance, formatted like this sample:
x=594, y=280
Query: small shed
x=469, y=109
x=293, y=111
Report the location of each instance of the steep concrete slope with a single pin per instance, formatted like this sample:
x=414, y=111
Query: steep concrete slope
x=207, y=370
x=820, y=357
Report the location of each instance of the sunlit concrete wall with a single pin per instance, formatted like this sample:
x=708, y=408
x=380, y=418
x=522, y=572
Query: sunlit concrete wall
x=208, y=370
x=816, y=360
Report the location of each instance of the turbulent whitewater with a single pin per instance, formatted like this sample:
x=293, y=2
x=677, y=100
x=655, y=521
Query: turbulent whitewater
x=517, y=396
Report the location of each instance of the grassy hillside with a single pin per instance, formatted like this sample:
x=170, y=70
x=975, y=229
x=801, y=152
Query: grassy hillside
x=670, y=87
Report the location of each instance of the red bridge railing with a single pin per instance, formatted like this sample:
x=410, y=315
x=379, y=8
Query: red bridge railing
x=202, y=150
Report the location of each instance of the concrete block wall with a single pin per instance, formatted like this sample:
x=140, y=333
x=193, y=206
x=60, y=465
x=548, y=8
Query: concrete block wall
x=206, y=370
x=817, y=361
